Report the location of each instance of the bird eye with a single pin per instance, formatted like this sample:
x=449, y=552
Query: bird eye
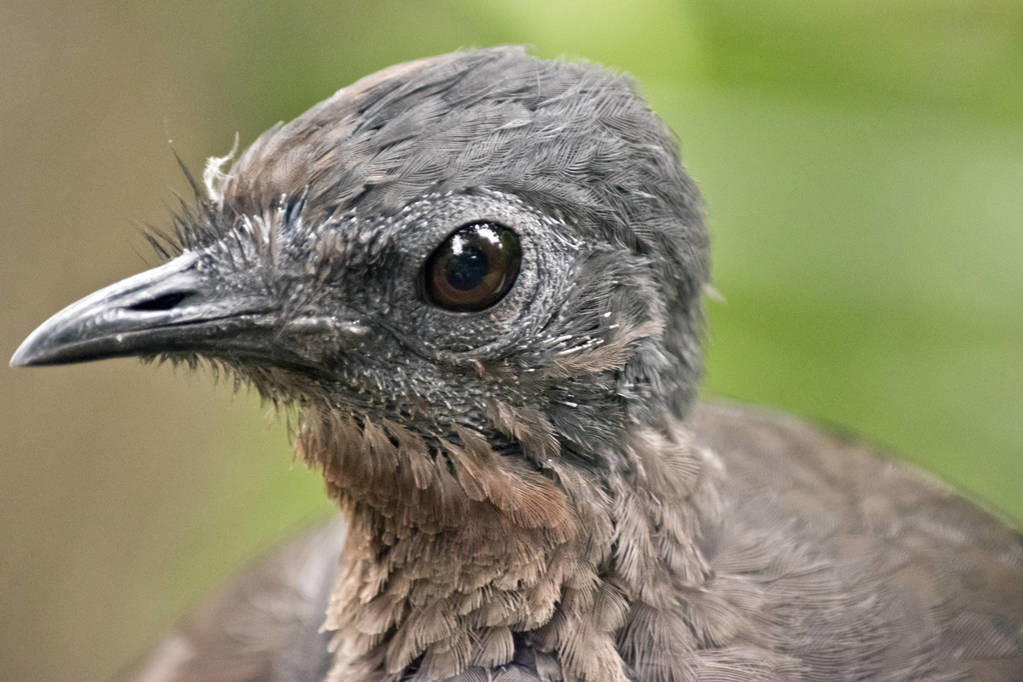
x=474, y=268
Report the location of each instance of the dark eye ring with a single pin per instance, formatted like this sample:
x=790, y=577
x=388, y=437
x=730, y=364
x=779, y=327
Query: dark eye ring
x=473, y=268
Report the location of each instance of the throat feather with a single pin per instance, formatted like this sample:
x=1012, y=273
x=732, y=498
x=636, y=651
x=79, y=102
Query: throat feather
x=458, y=557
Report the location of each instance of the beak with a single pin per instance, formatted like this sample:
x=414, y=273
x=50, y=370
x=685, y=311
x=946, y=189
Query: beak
x=171, y=308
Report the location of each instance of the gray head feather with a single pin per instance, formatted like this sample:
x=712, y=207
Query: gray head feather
x=345, y=202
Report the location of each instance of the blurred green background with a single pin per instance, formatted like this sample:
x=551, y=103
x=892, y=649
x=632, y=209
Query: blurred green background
x=862, y=163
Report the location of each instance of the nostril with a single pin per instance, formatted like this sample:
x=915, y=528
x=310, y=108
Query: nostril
x=163, y=302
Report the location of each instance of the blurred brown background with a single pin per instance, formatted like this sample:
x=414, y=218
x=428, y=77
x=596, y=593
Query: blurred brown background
x=863, y=165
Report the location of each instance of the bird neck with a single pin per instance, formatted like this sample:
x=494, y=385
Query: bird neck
x=458, y=557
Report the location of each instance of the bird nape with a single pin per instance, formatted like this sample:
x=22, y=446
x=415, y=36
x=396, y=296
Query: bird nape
x=477, y=278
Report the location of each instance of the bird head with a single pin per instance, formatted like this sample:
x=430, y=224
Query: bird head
x=478, y=245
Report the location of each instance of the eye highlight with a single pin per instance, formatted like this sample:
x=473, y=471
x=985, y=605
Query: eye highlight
x=473, y=268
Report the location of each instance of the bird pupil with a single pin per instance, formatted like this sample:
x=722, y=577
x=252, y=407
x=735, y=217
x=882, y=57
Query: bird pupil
x=473, y=268
x=466, y=269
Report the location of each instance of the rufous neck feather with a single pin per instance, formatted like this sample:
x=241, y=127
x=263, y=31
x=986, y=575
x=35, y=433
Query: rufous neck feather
x=459, y=557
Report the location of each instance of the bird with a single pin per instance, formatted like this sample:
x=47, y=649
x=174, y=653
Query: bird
x=476, y=281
